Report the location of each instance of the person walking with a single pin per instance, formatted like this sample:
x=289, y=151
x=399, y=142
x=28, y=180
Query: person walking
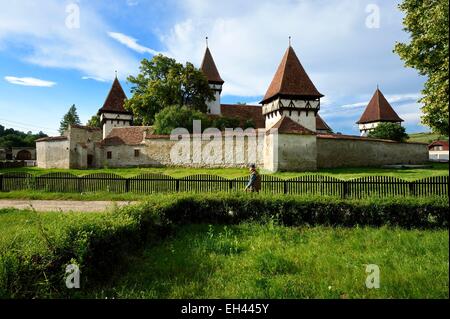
x=254, y=183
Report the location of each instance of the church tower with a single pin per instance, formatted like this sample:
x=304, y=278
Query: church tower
x=113, y=113
x=377, y=111
x=291, y=94
x=209, y=68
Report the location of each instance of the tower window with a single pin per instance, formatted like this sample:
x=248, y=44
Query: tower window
x=109, y=155
x=136, y=153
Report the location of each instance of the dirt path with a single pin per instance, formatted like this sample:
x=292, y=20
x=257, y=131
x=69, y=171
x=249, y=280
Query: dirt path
x=61, y=205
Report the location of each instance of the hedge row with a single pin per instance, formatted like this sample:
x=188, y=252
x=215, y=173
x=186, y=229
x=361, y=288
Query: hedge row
x=99, y=245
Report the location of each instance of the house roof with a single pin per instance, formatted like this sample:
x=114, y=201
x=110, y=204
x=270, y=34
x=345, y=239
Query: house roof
x=291, y=80
x=87, y=128
x=244, y=113
x=322, y=125
x=132, y=135
x=287, y=126
x=209, y=68
x=115, y=100
x=444, y=145
x=378, y=110
x=52, y=139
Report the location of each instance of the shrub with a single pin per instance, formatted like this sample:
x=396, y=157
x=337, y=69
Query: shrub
x=32, y=262
x=389, y=131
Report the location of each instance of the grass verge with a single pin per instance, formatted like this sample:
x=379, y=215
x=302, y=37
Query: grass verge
x=253, y=260
x=36, y=247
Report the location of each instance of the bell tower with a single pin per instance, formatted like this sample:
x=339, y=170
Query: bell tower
x=292, y=94
x=209, y=68
x=113, y=113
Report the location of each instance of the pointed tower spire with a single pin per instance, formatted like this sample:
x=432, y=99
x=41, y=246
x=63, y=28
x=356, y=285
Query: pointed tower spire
x=379, y=110
x=113, y=114
x=291, y=80
x=115, y=100
x=209, y=68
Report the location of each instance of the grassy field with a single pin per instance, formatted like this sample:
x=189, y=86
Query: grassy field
x=435, y=169
x=249, y=260
x=270, y=261
x=426, y=137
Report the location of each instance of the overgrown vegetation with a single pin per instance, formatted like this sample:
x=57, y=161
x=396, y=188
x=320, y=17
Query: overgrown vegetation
x=11, y=138
x=163, y=82
x=426, y=137
x=35, y=248
x=254, y=260
x=427, y=52
x=389, y=131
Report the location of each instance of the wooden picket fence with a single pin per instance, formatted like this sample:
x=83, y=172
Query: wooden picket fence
x=380, y=186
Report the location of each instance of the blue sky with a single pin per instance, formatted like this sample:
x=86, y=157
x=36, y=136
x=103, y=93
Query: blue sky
x=49, y=61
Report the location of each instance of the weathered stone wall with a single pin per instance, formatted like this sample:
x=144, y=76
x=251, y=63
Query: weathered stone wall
x=215, y=153
x=82, y=143
x=294, y=152
x=53, y=154
x=345, y=152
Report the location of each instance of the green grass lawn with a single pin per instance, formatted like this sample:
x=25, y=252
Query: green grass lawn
x=270, y=261
x=436, y=169
x=249, y=260
x=426, y=137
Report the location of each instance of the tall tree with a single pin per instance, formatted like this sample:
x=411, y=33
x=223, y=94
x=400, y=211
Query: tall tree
x=427, y=23
x=163, y=82
x=70, y=118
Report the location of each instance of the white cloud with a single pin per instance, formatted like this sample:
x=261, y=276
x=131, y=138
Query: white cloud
x=93, y=78
x=131, y=43
x=28, y=81
x=132, y=3
x=40, y=30
x=247, y=39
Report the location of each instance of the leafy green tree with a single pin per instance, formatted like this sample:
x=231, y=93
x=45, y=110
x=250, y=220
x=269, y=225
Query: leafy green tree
x=70, y=118
x=427, y=23
x=94, y=122
x=12, y=138
x=389, y=131
x=173, y=117
x=163, y=82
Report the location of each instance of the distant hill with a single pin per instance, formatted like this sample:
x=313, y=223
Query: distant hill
x=426, y=137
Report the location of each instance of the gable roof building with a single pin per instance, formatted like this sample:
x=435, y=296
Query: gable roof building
x=291, y=80
x=377, y=111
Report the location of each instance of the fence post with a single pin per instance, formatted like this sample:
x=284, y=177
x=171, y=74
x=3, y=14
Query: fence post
x=177, y=185
x=344, y=189
x=79, y=178
x=1, y=182
x=285, y=187
x=230, y=186
x=127, y=185
x=412, y=188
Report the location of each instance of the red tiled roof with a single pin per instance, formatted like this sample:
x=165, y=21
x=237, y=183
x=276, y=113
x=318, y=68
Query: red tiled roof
x=287, y=126
x=209, y=68
x=444, y=145
x=244, y=113
x=359, y=138
x=52, y=139
x=88, y=128
x=322, y=125
x=291, y=80
x=379, y=109
x=115, y=100
x=132, y=135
